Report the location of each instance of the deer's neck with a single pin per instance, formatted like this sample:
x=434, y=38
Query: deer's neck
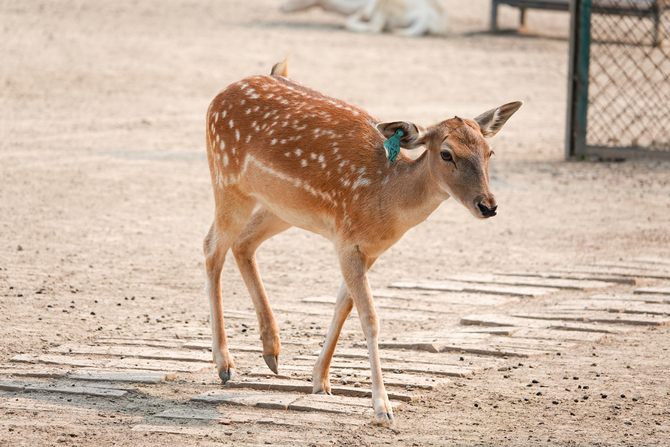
x=413, y=191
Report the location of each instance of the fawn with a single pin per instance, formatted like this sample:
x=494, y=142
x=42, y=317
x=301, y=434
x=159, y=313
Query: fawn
x=282, y=155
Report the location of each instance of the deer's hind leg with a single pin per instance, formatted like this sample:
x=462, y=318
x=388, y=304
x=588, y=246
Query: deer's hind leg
x=262, y=225
x=232, y=212
x=320, y=376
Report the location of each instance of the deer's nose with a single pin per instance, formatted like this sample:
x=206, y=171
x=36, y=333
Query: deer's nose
x=487, y=211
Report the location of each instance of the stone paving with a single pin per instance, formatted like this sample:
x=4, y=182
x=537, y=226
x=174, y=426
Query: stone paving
x=473, y=315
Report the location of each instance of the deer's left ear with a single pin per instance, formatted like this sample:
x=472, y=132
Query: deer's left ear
x=492, y=121
x=413, y=135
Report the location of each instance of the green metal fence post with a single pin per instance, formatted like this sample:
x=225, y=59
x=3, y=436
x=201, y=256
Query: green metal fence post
x=578, y=77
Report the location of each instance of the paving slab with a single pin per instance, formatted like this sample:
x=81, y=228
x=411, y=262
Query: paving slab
x=612, y=271
x=157, y=365
x=413, y=381
x=543, y=321
x=456, y=286
x=659, y=290
x=599, y=317
x=140, y=342
x=470, y=299
x=336, y=404
x=615, y=306
x=12, y=385
x=296, y=386
x=32, y=405
x=553, y=334
x=633, y=265
x=272, y=401
x=207, y=346
x=134, y=351
x=400, y=368
x=127, y=377
x=60, y=387
x=37, y=371
x=389, y=354
x=52, y=359
x=580, y=276
x=634, y=298
x=534, y=281
x=190, y=414
x=653, y=260
x=102, y=363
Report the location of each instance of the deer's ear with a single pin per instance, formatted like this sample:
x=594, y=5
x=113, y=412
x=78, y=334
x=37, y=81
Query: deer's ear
x=491, y=122
x=413, y=135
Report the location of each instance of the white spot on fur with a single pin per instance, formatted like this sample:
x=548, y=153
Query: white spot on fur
x=237, y=135
x=361, y=182
x=230, y=123
x=298, y=152
x=225, y=159
x=303, y=162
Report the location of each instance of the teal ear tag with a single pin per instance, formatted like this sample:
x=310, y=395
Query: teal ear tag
x=392, y=145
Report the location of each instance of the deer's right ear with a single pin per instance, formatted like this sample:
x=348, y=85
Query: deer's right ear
x=413, y=135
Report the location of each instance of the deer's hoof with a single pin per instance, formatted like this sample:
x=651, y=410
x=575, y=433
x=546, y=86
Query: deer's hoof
x=226, y=375
x=272, y=361
x=324, y=392
x=385, y=419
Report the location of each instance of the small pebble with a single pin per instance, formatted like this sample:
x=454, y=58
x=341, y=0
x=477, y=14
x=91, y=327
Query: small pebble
x=635, y=399
x=604, y=396
x=539, y=393
x=585, y=397
x=623, y=396
x=534, y=381
x=555, y=402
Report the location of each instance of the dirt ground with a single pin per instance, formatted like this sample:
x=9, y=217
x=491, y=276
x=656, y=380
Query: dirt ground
x=105, y=194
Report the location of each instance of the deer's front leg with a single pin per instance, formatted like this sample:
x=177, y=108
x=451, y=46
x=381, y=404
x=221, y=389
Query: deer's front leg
x=354, y=269
x=343, y=306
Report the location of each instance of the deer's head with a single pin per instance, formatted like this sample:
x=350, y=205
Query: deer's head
x=458, y=154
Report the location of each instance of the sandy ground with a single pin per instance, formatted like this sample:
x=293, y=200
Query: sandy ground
x=105, y=194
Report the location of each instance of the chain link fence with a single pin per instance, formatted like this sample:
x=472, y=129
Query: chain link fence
x=620, y=79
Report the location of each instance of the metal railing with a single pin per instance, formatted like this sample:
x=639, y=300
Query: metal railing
x=619, y=86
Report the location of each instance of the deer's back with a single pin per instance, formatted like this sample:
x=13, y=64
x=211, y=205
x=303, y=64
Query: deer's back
x=303, y=154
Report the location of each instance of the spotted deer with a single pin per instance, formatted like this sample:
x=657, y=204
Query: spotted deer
x=282, y=155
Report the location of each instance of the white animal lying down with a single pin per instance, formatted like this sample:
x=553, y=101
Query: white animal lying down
x=344, y=7
x=403, y=17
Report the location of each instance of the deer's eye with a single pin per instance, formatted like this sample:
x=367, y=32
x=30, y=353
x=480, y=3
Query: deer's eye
x=446, y=156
